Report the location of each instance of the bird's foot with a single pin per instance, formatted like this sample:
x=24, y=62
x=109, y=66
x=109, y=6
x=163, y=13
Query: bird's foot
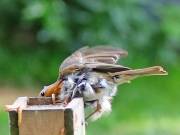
x=98, y=109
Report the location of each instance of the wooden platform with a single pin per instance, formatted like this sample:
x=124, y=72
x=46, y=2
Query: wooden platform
x=38, y=116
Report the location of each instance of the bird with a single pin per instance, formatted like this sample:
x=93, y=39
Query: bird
x=94, y=74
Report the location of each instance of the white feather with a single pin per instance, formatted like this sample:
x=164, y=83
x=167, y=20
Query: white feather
x=105, y=108
x=114, y=91
x=89, y=93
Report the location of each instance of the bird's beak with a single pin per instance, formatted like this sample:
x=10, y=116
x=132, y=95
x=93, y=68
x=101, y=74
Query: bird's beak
x=54, y=88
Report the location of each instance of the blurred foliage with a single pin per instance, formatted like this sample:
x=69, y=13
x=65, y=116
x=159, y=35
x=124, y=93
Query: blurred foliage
x=3, y=123
x=35, y=36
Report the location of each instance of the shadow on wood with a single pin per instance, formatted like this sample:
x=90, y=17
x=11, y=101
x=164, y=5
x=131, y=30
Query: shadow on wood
x=38, y=116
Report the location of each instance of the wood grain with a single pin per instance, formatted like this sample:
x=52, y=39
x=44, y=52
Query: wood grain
x=42, y=122
x=38, y=116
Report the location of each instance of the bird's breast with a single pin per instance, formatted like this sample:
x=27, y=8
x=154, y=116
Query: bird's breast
x=91, y=85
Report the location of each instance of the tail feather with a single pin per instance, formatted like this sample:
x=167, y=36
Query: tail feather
x=126, y=76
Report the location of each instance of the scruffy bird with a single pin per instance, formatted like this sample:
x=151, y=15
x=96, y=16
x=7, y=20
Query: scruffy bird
x=93, y=73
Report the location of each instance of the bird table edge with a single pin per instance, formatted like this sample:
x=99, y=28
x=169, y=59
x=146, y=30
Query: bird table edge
x=73, y=114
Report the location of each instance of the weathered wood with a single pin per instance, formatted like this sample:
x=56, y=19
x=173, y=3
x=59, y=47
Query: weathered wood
x=13, y=123
x=21, y=102
x=74, y=113
x=13, y=114
x=38, y=116
x=42, y=122
x=39, y=101
x=68, y=116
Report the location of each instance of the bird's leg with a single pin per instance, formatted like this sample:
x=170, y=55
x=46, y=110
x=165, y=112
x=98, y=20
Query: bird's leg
x=98, y=108
x=53, y=99
x=66, y=101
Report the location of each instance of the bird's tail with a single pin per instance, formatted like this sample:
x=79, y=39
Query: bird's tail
x=126, y=76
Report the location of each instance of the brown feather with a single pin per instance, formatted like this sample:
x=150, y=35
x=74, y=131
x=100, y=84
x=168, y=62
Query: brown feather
x=99, y=54
x=126, y=76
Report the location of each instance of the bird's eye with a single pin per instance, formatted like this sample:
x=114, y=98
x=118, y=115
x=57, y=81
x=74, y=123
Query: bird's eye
x=42, y=94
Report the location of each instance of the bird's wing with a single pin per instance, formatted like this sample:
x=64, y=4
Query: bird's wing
x=105, y=67
x=100, y=56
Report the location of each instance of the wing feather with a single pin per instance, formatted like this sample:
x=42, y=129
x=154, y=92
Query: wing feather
x=101, y=56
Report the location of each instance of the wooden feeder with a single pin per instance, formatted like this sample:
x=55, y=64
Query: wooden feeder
x=39, y=116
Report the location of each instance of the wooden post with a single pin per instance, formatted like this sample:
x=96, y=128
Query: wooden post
x=38, y=116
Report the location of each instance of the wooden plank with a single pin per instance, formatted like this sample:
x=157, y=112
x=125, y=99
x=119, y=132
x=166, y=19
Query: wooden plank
x=13, y=123
x=13, y=114
x=42, y=122
x=21, y=102
x=38, y=116
x=74, y=113
x=39, y=101
x=68, y=116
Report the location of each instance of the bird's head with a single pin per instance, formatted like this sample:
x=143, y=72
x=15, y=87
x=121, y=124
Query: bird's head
x=54, y=88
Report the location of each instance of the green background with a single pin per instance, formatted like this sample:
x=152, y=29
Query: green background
x=35, y=37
